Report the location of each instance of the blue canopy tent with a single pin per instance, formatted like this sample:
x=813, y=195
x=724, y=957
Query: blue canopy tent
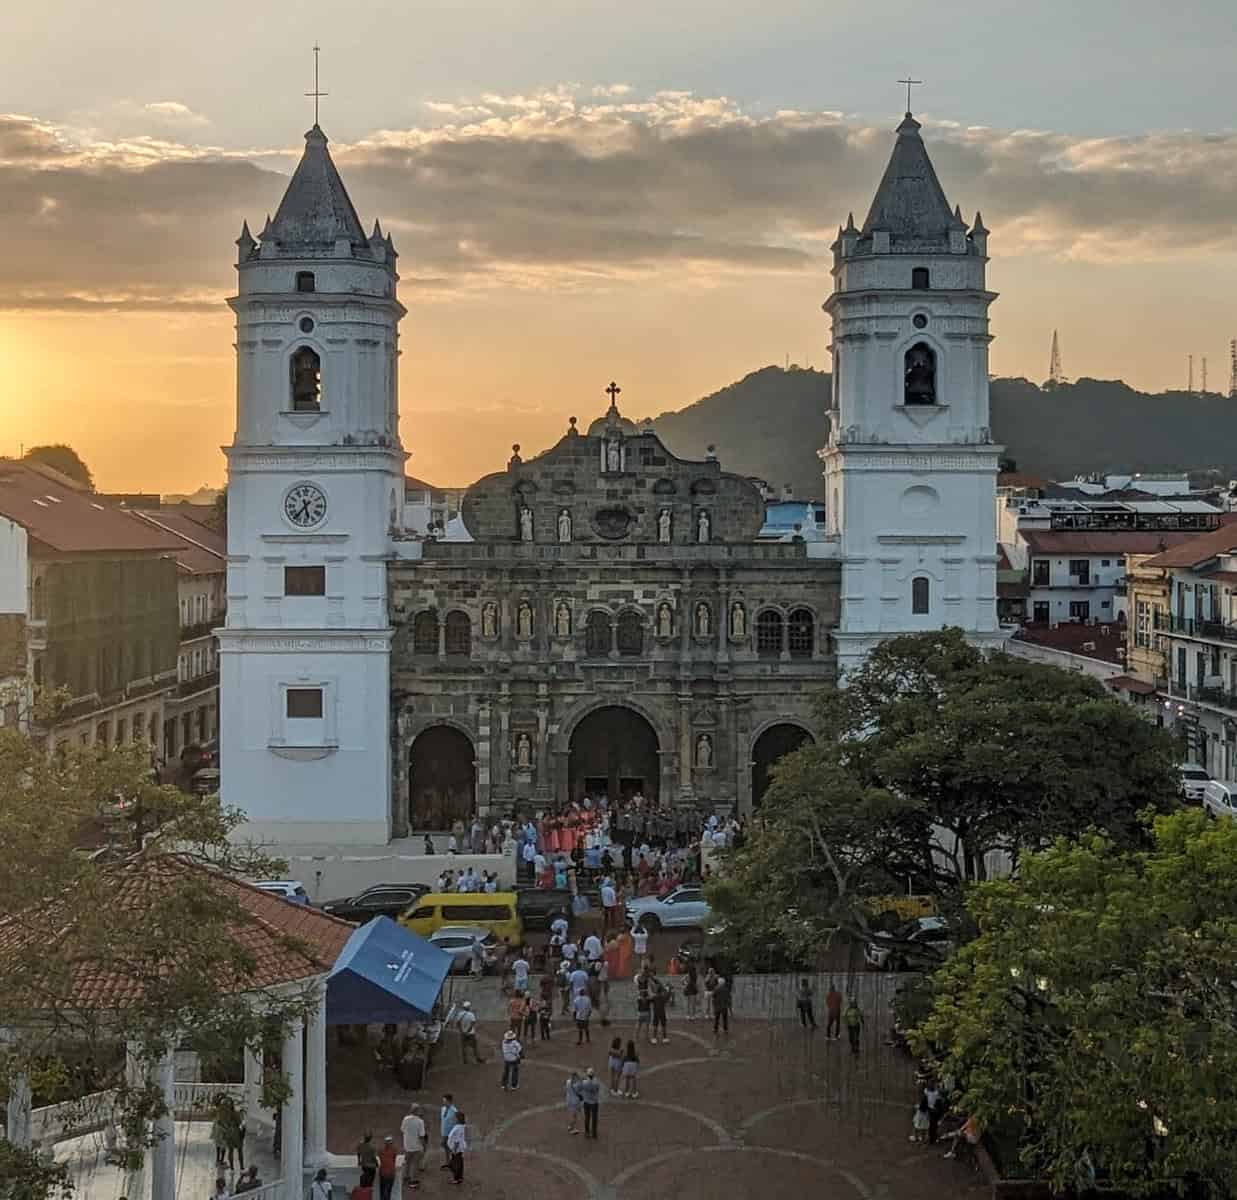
x=385, y=975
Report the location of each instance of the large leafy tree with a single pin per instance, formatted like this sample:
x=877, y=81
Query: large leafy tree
x=1094, y=1018
x=934, y=761
x=64, y=459
x=144, y=907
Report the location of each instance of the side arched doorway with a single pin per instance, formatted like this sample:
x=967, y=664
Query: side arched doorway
x=442, y=779
x=613, y=750
x=771, y=745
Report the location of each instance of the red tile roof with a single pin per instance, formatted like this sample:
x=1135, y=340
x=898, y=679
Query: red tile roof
x=1197, y=549
x=1112, y=542
x=203, y=551
x=66, y=518
x=285, y=942
x=1071, y=638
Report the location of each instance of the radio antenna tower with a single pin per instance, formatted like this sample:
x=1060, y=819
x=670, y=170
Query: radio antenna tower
x=1056, y=376
x=1189, y=376
x=1203, y=389
x=1232, y=370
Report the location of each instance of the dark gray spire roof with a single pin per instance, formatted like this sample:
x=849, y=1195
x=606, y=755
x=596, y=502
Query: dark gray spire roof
x=315, y=210
x=910, y=202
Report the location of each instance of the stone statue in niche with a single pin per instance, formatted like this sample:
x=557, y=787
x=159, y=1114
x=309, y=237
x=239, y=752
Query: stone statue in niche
x=704, y=620
x=665, y=621
x=526, y=523
x=614, y=456
x=738, y=621
x=489, y=620
x=664, y=526
x=564, y=525
x=524, y=620
x=523, y=751
x=704, y=751
x=562, y=620
x=702, y=526
x=920, y=375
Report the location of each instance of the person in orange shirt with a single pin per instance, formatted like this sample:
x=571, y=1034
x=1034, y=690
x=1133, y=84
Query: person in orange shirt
x=517, y=1009
x=386, y=1168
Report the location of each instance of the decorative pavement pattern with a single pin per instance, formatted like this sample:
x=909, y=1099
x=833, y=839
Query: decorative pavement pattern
x=770, y=1109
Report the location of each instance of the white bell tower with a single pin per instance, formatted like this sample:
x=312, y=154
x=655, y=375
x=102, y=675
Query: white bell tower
x=910, y=468
x=315, y=489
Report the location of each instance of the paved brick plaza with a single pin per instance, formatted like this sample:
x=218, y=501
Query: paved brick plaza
x=770, y=1111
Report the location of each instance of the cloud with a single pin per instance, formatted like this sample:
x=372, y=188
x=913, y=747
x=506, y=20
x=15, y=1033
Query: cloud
x=569, y=187
x=175, y=112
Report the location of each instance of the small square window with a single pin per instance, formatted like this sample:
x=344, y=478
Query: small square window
x=304, y=281
x=304, y=581
x=305, y=704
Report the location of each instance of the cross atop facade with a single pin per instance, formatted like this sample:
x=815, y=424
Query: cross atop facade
x=317, y=93
x=613, y=392
x=909, y=84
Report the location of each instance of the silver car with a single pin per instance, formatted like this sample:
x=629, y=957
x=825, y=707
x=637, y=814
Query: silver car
x=459, y=940
x=685, y=906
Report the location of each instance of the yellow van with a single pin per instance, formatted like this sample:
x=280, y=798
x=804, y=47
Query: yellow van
x=495, y=911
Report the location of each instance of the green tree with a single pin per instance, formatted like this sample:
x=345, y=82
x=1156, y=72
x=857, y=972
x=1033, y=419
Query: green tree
x=148, y=911
x=933, y=758
x=64, y=459
x=1093, y=1018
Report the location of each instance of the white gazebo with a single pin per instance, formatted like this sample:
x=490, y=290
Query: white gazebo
x=293, y=948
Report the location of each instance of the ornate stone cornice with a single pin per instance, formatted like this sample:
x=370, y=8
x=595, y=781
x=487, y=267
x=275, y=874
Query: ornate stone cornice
x=248, y=641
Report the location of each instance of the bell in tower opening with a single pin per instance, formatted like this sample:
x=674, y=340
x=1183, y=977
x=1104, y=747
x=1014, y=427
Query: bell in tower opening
x=920, y=386
x=306, y=381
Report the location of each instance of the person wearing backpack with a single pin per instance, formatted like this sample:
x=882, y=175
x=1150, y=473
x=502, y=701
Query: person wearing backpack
x=320, y=1189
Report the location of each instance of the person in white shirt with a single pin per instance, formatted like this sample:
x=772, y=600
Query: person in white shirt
x=467, y=1021
x=412, y=1128
x=569, y=951
x=529, y=856
x=320, y=1189
x=520, y=969
x=579, y=981
x=491, y=883
x=609, y=905
x=639, y=940
x=559, y=926
x=512, y=1053
x=453, y=845
x=592, y=947
x=582, y=1010
x=457, y=1143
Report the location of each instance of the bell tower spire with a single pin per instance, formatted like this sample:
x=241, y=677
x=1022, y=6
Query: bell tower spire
x=910, y=465
x=315, y=495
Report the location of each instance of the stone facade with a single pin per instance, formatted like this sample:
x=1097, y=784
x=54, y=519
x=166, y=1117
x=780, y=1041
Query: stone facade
x=614, y=623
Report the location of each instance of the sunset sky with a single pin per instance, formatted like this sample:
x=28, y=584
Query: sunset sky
x=582, y=190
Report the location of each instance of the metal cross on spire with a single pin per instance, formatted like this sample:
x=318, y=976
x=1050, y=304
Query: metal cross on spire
x=909, y=84
x=317, y=93
x=613, y=392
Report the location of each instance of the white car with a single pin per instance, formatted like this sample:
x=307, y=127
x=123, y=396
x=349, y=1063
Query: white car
x=684, y=906
x=1194, y=780
x=292, y=890
x=458, y=941
x=1220, y=798
x=923, y=942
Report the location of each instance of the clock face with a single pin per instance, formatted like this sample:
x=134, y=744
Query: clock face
x=305, y=505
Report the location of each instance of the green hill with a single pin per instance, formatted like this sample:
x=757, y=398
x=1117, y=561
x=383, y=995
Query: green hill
x=772, y=422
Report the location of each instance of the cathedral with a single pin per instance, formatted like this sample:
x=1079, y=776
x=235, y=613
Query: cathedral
x=613, y=622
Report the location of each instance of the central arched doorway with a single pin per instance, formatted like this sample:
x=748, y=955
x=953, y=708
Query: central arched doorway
x=771, y=745
x=442, y=779
x=613, y=750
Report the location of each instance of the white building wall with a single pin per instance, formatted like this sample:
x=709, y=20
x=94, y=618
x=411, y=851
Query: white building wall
x=14, y=568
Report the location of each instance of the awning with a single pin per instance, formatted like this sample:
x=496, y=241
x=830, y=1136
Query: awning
x=1127, y=683
x=384, y=974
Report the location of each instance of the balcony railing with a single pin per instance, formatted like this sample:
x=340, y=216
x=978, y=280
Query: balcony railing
x=1216, y=631
x=1216, y=697
x=199, y=683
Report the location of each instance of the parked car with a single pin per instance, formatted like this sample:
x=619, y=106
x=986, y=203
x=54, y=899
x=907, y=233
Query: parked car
x=1194, y=779
x=292, y=890
x=458, y=941
x=1220, y=798
x=381, y=900
x=537, y=907
x=684, y=906
x=921, y=944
